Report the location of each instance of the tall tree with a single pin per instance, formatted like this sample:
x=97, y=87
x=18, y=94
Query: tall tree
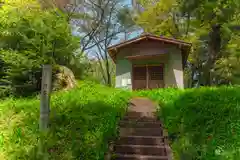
x=215, y=17
x=99, y=23
x=108, y=30
x=30, y=38
x=207, y=24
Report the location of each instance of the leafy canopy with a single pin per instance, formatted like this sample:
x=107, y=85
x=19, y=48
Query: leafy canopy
x=212, y=28
x=30, y=37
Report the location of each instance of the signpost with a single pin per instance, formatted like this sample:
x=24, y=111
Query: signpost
x=45, y=97
x=45, y=108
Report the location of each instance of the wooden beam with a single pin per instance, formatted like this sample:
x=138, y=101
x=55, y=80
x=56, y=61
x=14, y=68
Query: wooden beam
x=141, y=65
x=145, y=56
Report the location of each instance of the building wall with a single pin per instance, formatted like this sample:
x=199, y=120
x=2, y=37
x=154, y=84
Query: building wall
x=170, y=57
x=123, y=73
x=174, y=74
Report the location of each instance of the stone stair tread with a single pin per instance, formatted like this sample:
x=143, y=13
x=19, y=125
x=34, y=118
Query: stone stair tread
x=136, y=114
x=142, y=146
x=136, y=121
x=149, y=119
x=141, y=140
x=140, y=123
x=135, y=136
x=142, y=149
x=147, y=132
x=139, y=157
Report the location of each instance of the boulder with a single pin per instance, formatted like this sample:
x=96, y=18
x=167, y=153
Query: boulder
x=64, y=79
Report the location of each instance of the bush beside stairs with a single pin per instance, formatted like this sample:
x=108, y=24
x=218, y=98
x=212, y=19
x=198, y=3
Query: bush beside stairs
x=141, y=134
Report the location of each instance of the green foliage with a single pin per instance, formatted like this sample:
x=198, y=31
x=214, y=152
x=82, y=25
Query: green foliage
x=212, y=28
x=161, y=18
x=227, y=67
x=97, y=72
x=202, y=123
x=30, y=38
x=83, y=120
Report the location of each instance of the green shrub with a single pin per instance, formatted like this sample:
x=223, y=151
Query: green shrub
x=5, y=91
x=202, y=123
x=30, y=38
x=82, y=122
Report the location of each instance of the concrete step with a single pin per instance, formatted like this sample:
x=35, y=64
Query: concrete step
x=140, y=124
x=141, y=149
x=139, y=157
x=141, y=140
x=140, y=118
x=135, y=114
x=147, y=132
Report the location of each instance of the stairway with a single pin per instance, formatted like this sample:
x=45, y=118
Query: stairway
x=141, y=135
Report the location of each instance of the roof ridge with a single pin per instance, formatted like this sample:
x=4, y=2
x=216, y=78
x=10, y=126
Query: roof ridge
x=146, y=33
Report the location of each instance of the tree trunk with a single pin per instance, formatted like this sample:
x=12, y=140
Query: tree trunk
x=109, y=78
x=214, y=47
x=192, y=81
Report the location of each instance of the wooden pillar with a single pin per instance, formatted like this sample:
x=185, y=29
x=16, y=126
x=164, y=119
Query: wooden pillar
x=147, y=76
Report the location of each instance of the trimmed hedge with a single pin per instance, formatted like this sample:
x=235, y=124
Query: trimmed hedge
x=202, y=123
x=82, y=122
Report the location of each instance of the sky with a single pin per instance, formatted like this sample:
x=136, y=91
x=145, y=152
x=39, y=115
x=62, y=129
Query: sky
x=130, y=34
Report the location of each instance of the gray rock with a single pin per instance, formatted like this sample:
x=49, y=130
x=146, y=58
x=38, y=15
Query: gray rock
x=64, y=79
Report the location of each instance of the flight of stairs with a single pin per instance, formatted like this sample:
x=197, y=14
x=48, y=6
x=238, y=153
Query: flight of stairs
x=141, y=138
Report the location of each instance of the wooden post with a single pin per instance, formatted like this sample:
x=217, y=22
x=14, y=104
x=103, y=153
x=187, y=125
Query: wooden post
x=44, y=109
x=147, y=77
x=45, y=97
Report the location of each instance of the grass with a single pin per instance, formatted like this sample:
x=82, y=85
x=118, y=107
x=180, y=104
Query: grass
x=82, y=122
x=203, y=124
